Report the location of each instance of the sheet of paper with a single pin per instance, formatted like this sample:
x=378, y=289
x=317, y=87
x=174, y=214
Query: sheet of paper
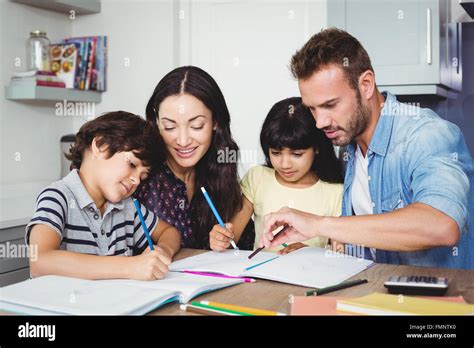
x=227, y=262
x=311, y=267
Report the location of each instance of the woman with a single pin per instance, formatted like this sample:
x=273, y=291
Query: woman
x=191, y=115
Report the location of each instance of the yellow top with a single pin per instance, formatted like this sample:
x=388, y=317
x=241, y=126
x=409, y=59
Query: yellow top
x=267, y=195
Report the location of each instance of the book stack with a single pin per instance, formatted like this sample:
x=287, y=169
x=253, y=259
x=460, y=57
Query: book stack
x=385, y=304
x=37, y=78
x=82, y=61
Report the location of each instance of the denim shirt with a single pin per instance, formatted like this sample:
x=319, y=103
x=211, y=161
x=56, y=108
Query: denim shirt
x=416, y=156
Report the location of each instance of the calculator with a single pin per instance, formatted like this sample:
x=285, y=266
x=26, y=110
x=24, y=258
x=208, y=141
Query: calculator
x=417, y=285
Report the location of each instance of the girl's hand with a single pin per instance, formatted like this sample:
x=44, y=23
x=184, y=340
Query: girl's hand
x=291, y=247
x=219, y=237
x=150, y=265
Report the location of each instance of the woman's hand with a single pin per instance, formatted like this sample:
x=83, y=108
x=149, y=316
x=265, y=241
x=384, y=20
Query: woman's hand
x=219, y=237
x=291, y=247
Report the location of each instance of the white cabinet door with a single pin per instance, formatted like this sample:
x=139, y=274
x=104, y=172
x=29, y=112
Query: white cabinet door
x=247, y=46
x=404, y=38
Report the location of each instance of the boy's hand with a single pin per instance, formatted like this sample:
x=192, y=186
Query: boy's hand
x=150, y=265
x=219, y=237
x=160, y=249
x=291, y=247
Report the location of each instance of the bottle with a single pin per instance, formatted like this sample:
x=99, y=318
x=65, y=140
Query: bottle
x=37, y=51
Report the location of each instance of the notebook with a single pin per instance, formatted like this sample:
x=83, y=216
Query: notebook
x=57, y=295
x=309, y=267
x=326, y=305
x=386, y=304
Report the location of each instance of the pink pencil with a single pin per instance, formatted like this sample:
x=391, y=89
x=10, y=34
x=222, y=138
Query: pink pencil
x=247, y=280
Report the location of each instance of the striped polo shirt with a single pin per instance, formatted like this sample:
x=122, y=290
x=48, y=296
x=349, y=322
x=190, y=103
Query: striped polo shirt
x=67, y=208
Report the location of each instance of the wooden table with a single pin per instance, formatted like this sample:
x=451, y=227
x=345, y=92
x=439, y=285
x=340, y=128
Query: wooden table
x=276, y=296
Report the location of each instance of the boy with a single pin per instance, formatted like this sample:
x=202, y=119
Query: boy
x=86, y=223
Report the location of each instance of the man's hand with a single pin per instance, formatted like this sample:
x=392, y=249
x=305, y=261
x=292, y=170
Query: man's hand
x=302, y=226
x=291, y=247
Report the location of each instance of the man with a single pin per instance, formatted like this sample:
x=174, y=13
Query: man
x=408, y=172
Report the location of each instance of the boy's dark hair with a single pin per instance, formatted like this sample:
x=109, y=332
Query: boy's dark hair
x=290, y=124
x=119, y=131
x=331, y=46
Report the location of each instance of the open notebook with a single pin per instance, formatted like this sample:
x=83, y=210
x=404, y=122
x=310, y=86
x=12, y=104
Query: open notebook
x=310, y=267
x=56, y=295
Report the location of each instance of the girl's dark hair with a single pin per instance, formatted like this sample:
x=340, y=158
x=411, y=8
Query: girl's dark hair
x=119, y=131
x=290, y=124
x=219, y=179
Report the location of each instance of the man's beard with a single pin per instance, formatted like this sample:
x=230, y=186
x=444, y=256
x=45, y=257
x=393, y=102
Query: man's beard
x=358, y=123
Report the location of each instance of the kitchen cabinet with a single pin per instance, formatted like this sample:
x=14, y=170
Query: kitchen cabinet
x=14, y=265
x=413, y=47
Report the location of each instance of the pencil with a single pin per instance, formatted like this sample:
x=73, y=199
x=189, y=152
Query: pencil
x=231, y=311
x=250, y=310
x=206, y=274
x=142, y=220
x=216, y=214
x=205, y=311
x=337, y=287
x=261, y=248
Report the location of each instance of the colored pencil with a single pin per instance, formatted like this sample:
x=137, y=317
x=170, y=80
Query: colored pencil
x=231, y=311
x=142, y=220
x=337, y=287
x=200, y=310
x=286, y=226
x=216, y=214
x=247, y=280
x=250, y=310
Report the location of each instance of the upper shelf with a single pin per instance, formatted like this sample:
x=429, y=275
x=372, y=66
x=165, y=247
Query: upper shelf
x=64, y=6
x=51, y=93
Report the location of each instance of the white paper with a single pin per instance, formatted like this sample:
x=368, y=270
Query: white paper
x=188, y=285
x=228, y=262
x=64, y=295
x=311, y=267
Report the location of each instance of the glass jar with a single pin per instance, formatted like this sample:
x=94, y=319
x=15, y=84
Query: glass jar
x=37, y=51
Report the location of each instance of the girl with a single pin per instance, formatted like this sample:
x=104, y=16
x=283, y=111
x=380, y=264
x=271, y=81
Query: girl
x=301, y=171
x=190, y=113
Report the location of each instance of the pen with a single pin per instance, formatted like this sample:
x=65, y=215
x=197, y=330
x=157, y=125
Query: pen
x=261, y=248
x=332, y=288
x=142, y=220
x=216, y=214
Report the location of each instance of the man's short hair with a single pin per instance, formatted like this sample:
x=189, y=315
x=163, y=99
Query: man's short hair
x=331, y=46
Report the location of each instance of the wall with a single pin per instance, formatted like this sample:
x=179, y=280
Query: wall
x=140, y=51
x=29, y=132
x=246, y=46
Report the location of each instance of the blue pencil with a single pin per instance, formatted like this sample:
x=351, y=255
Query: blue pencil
x=216, y=214
x=142, y=220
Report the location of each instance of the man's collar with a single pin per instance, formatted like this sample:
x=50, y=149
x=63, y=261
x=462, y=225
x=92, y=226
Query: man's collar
x=383, y=130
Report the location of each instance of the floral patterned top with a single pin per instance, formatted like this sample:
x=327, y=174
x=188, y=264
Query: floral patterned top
x=166, y=195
